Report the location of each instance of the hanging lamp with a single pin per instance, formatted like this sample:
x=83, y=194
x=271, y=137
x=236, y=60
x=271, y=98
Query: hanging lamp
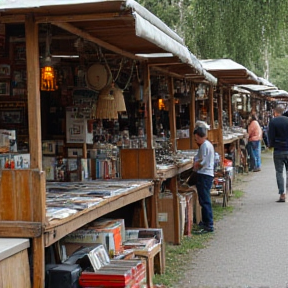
x=110, y=102
x=119, y=99
x=48, y=73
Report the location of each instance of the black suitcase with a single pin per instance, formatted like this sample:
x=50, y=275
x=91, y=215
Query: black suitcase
x=62, y=276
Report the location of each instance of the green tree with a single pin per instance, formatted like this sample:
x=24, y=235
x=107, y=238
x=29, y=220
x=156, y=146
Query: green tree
x=247, y=31
x=251, y=32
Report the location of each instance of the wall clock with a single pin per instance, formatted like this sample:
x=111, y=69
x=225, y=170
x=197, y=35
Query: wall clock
x=97, y=76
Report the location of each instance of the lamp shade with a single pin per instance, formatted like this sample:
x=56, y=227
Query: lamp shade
x=110, y=102
x=119, y=99
x=48, y=79
x=106, y=106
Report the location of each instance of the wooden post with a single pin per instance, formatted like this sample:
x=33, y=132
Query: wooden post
x=211, y=106
x=172, y=115
x=220, y=108
x=192, y=114
x=230, y=115
x=34, y=117
x=148, y=103
x=84, y=150
x=33, y=90
x=220, y=120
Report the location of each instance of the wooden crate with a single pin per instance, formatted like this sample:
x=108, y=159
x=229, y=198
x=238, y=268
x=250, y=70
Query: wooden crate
x=149, y=256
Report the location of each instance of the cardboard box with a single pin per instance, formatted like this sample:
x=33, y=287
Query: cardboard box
x=166, y=216
x=113, y=226
x=91, y=236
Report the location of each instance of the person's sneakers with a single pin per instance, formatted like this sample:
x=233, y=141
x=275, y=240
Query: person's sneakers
x=282, y=198
x=256, y=170
x=203, y=231
x=202, y=226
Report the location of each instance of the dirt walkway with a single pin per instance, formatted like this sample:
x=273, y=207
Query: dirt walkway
x=249, y=248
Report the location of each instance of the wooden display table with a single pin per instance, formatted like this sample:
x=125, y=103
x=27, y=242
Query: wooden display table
x=58, y=228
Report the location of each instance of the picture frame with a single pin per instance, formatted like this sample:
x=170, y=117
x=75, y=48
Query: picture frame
x=13, y=116
x=4, y=88
x=5, y=70
x=48, y=147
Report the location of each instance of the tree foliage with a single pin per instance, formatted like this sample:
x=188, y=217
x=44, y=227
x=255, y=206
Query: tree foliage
x=250, y=32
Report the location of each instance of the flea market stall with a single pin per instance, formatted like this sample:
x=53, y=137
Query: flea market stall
x=229, y=73
x=92, y=45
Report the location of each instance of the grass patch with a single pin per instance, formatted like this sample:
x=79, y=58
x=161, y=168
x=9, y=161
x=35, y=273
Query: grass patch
x=219, y=212
x=237, y=194
x=178, y=255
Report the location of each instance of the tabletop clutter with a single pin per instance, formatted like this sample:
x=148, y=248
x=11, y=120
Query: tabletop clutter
x=104, y=254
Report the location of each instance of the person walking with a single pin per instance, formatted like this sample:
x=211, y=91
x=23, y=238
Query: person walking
x=278, y=139
x=254, y=141
x=204, y=165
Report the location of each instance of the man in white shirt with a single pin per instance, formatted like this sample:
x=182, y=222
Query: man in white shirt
x=204, y=165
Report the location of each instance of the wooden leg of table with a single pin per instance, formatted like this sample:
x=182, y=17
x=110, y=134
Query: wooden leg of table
x=150, y=272
x=154, y=204
x=225, y=195
x=38, y=262
x=174, y=190
x=144, y=211
x=159, y=265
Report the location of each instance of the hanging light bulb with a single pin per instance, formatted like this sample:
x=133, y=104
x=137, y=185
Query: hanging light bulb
x=48, y=73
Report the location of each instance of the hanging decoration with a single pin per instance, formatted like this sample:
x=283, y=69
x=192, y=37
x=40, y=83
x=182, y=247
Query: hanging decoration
x=110, y=102
x=48, y=73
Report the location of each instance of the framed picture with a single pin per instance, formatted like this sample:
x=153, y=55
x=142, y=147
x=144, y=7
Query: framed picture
x=49, y=147
x=4, y=70
x=11, y=116
x=4, y=88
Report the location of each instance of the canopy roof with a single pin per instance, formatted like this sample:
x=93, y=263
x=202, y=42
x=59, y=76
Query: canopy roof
x=123, y=27
x=263, y=90
x=264, y=81
x=229, y=72
x=276, y=94
x=257, y=88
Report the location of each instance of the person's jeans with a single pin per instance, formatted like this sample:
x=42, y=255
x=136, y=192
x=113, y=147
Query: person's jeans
x=252, y=160
x=281, y=160
x=258, y=155
x=204, y=185
x=255, y=153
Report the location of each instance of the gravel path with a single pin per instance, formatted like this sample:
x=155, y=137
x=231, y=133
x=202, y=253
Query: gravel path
x=249, y=247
